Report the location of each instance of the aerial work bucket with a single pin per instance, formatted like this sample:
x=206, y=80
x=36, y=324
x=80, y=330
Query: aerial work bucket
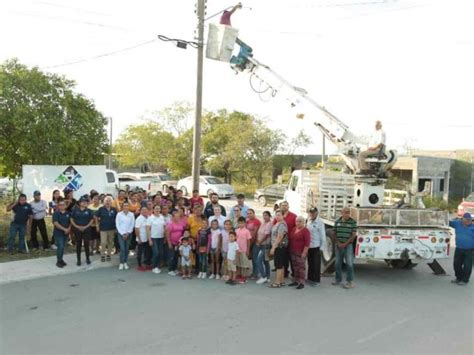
x=220, y=42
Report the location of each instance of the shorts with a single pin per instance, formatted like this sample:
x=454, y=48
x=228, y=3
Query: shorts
x=280, y=257
x=242, y=261
x=185, y=262
x=231, y=267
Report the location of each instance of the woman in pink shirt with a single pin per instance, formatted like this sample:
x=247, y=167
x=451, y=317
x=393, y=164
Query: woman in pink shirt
x=299, y=240
x=174, y=232
x=243, y=240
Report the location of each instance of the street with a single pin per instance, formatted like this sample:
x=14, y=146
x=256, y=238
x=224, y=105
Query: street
x=107, y=311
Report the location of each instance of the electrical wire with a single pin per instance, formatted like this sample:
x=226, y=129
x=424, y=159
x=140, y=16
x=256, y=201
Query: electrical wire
x=178, y=41
x=108, y=54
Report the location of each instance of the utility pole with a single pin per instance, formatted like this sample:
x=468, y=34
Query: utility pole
x=197, y=122
x=110, y=143
x=324, y=150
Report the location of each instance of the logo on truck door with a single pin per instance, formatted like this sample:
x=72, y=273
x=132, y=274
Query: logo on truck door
x=71, y=178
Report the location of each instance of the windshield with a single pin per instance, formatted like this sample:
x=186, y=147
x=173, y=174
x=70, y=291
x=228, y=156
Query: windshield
x=165, y=177
x=150, y=178
x=213, y=180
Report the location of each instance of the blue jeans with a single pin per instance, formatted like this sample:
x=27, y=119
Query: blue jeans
x=124, y=245
x=255, y=250
x=203, y=262
x=173, y=256
x=21, y=230
x=346, y=254
x=463, y=264
x=157, y=250
x=60, y=241
x=262, y=264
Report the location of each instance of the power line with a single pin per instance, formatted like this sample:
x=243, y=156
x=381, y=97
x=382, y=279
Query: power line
x=108, y=54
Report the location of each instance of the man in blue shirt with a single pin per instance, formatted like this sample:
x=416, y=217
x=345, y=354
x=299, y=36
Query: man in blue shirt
x=62, y=228
x=20, y=223
x=464, y=249
x=105, y=220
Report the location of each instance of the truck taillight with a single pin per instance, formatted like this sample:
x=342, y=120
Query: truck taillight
x=433, y=240
x=360, y=240
x=447, y=240
x=376, y=239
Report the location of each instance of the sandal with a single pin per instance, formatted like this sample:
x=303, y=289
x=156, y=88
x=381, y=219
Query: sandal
x=275, y=285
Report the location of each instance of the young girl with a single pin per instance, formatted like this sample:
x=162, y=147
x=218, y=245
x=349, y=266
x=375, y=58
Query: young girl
x=185, y=253
x=232, y=254
x=203, y=245
x=224, y=248
x=215, y=249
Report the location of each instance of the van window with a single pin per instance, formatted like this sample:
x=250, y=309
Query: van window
x=110, y=177
x=293, y=183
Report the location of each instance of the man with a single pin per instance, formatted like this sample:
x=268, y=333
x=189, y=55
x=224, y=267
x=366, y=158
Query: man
x=20, y=224
x=290, y=220
x=318, y=239
x=61, y=231
x=118, y=202
x=105, y=221
x=196, y=200
x=39, y=208
x=243, y=207
x=376, y=145
x=345, y=229
x=125, y=222
x=464, y=249
x=253, y=224
x=214, y=202
x=225, y=18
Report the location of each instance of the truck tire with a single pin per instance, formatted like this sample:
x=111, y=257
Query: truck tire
x=328, y=254
x=262, y=200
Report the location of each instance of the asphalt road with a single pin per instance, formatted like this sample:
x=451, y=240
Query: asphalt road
x=105, y=311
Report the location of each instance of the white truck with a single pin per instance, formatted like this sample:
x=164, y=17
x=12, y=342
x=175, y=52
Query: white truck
x=79, y=178
x=402, y=237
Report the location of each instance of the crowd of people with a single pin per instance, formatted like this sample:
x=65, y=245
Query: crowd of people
x=190, y=237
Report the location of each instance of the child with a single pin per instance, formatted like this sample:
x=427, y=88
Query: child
x=243, y=239
x=225, y=248
x=203, y=245
x=185, y=253
x=232, y=254
x=215, y=249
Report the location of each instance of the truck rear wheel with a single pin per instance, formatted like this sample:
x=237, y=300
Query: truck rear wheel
x=328, y=255
x=402, y=264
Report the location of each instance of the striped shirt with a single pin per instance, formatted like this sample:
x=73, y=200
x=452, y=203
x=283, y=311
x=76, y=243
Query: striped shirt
x=345, y=229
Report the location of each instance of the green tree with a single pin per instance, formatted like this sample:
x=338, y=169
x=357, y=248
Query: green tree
x=146, y=143
x=43, y=121
x=175, y=118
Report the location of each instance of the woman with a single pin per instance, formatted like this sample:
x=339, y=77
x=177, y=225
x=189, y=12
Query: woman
x=263, y=245
x=279, y=240
x=174, y=232
x=237, y=214
x=95, y=235
x=69, y=199
x=81, y=220
x=299, y=241
x=53, y=204
x=155, y=229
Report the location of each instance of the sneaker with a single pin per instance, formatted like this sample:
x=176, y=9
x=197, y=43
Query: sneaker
x=156, y=270
x=199, y=275
x=54, y=247
x=212, y=276
x=261, y=280
x=59, y=265
x=336, y=283
x=125, y=266
x=141, y=268
x=172, y=273
x=88, y=261
x=121, y=267
x=63, y=263
x=300, y=287
x=462, y=283
x=218, y=277
x=455, y=281
x=348, y=285
x=204, y=276
x=102, y=258
x=294, y=284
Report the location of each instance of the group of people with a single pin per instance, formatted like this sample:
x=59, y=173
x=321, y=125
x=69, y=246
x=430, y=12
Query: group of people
x=191, y=237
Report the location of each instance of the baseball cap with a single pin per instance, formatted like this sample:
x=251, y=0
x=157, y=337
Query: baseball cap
x=36, y=193
x=313, y=210
x=467, y=215
x=83, y=198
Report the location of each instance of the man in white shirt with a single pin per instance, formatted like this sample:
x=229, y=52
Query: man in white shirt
x=155, y=229
x=142, y=240
x=376, y=145
x=39, y=208
x=124, y=222
x=219, y=217
x=318, y=240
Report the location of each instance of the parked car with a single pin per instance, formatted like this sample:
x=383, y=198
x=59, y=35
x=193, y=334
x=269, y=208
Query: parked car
x=270, y=193
x=467, y=205
x=159, y=181
x=132, y=181
x=207, y=185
